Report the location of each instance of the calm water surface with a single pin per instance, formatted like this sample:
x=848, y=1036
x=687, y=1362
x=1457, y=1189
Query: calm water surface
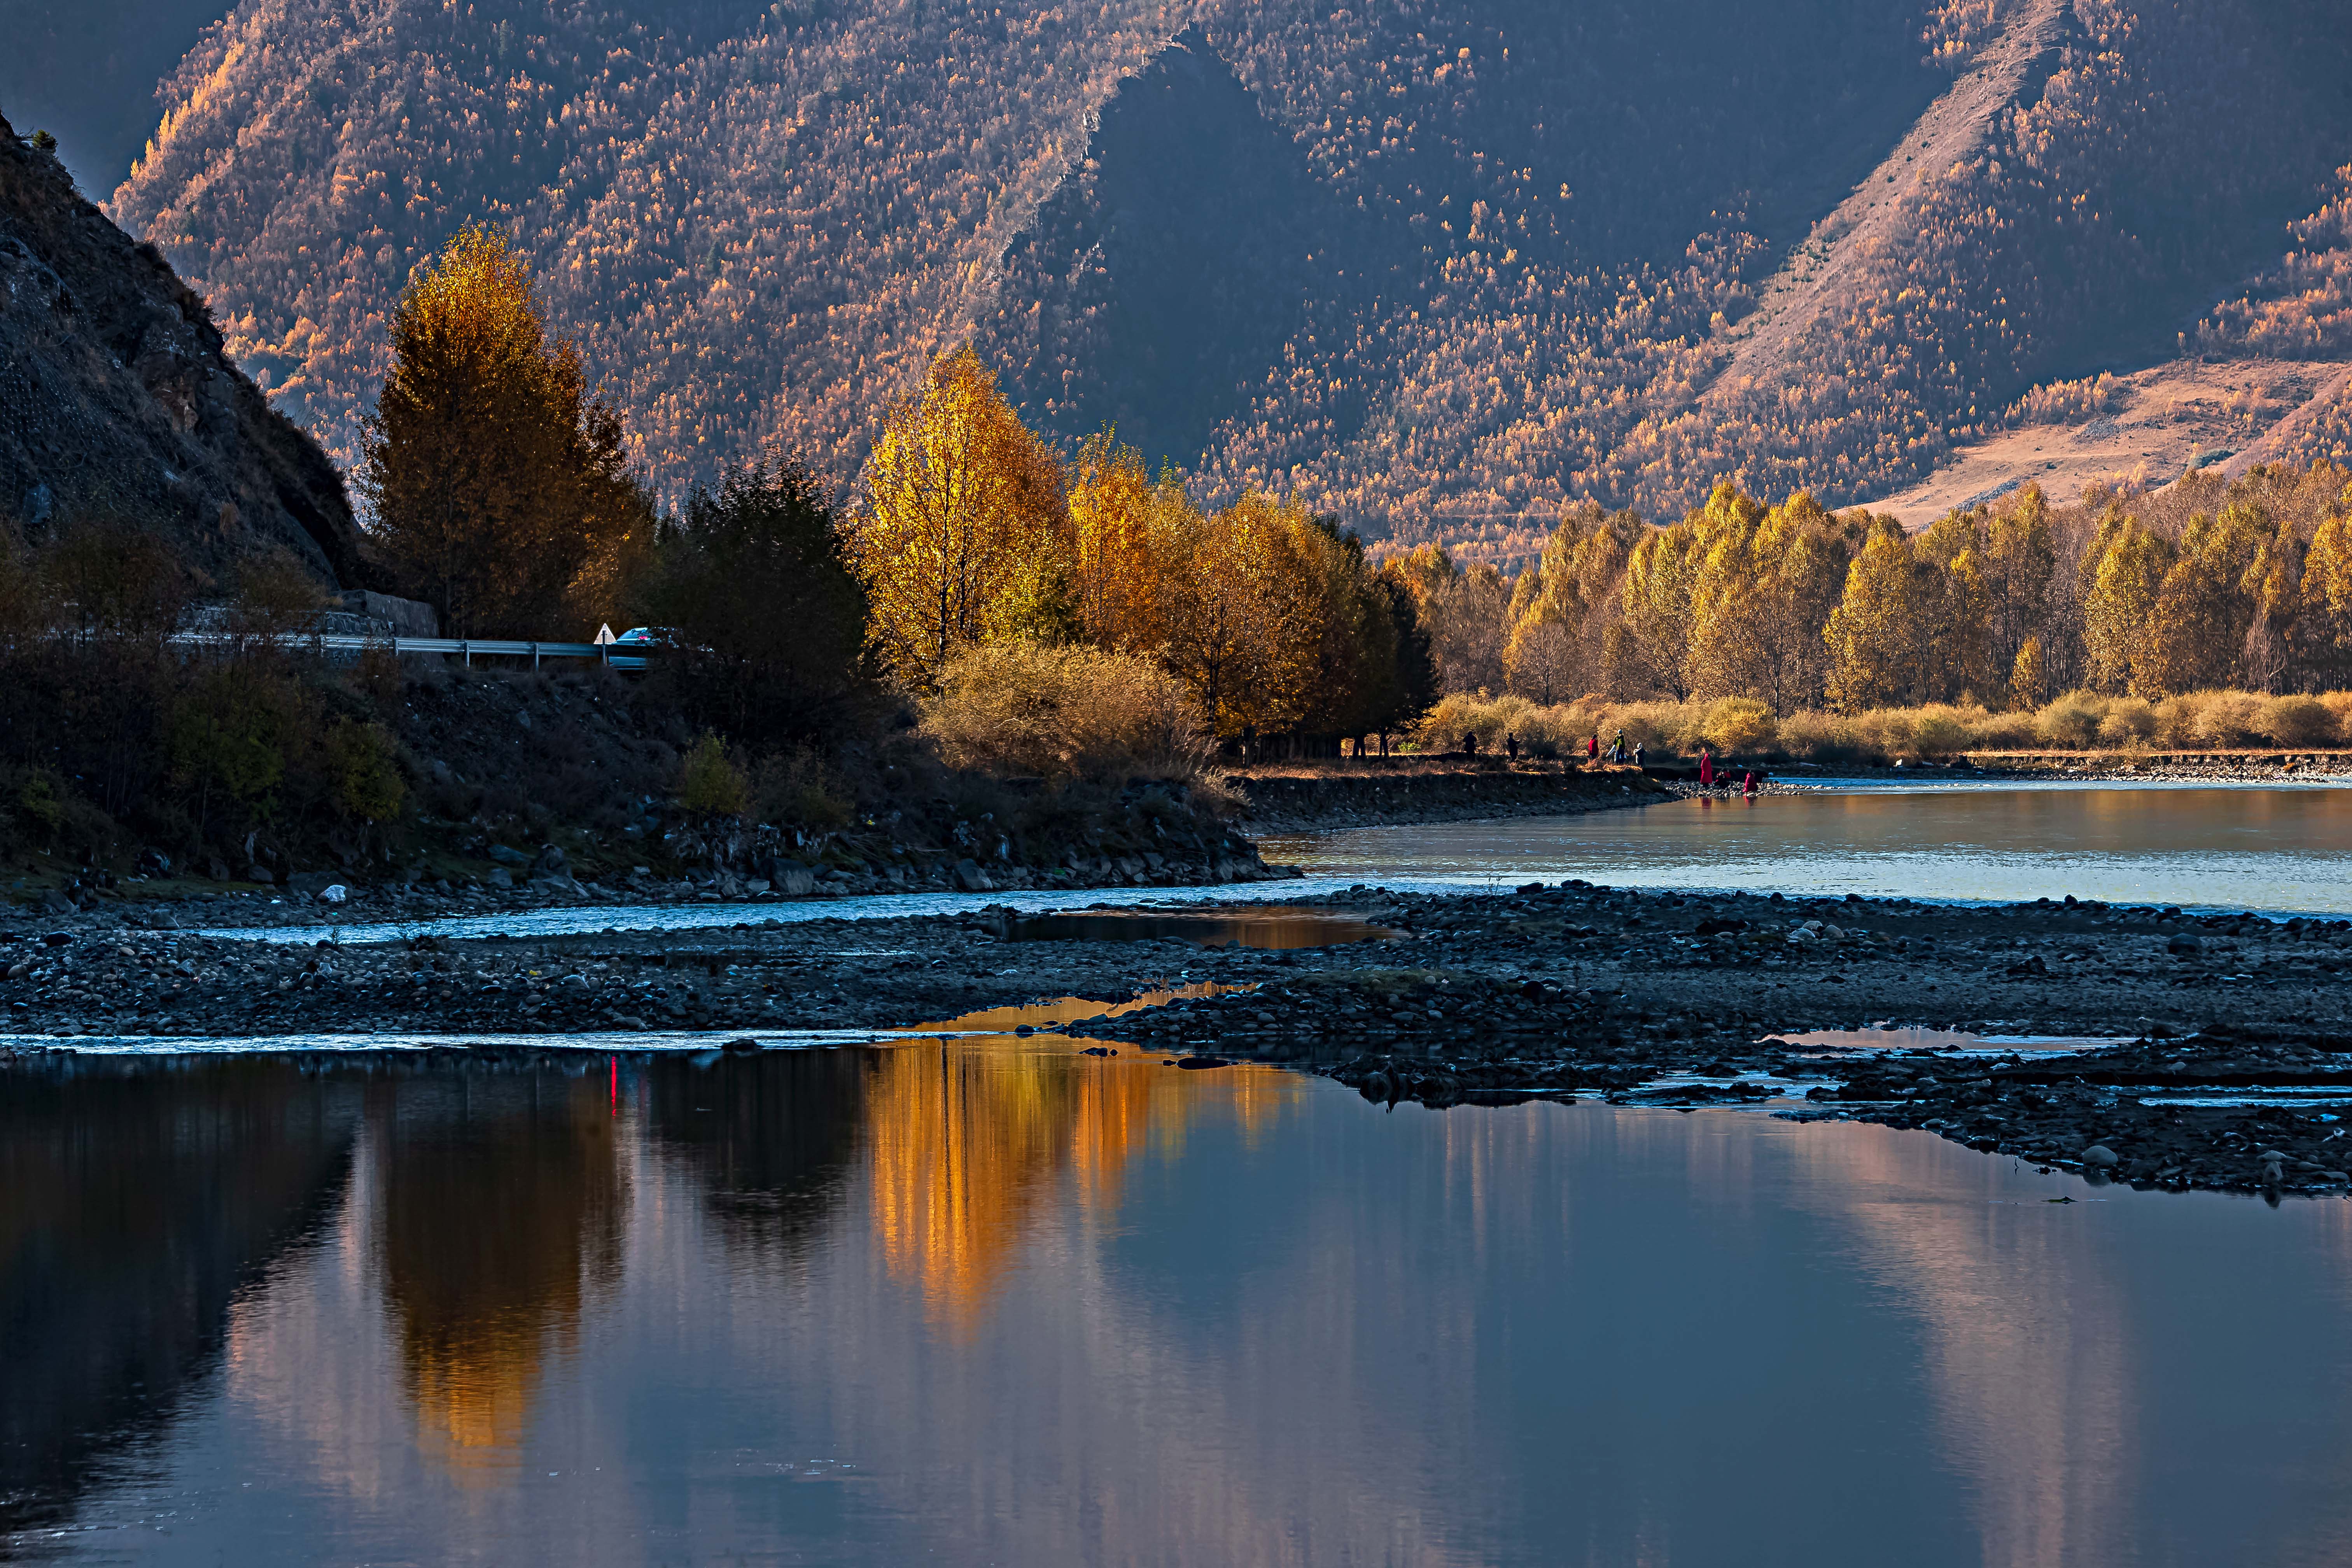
x=2282, y=850
x=993, y=1301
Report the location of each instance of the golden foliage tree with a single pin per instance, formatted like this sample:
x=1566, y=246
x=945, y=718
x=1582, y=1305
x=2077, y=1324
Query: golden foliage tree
x=2205, y=606
x=2127, y=565
x=498, y=487
x=1466, y=611
x=965, y=534
x=1878, y=636
x=1653, y=653
x=2326, y=594
x=1765, y=585
x=1121, y=522
x=2028, y=676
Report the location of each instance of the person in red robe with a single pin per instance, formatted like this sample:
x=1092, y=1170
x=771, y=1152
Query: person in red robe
x=1705, y=769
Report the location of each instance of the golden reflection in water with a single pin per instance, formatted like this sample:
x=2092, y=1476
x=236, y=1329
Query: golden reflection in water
x=2029, y=1339
x=501, y=1211
x=969, y=1141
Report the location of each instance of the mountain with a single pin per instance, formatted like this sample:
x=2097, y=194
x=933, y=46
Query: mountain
x=1437, y=264
x=118, y=402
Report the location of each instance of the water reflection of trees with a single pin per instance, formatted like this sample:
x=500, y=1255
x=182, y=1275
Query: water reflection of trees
x=136, y=1198
x=971, y=1142
x=499, y=1212
x=769, y=1138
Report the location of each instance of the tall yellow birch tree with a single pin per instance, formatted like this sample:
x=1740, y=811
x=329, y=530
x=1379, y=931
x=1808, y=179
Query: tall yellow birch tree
x=965, y=534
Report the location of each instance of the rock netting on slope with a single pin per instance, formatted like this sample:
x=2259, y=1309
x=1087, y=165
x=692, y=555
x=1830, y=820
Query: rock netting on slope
x=117, y=403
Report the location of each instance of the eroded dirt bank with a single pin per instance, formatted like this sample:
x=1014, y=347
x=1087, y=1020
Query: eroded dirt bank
x=1477, y=998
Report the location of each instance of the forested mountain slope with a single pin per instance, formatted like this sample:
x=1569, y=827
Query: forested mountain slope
x=1439, y=265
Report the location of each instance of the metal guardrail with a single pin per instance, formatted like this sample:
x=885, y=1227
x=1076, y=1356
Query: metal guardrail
x=618, y=656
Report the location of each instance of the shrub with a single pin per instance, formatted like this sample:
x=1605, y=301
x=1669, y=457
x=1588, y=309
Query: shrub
x=1018, y=709
x=1944, y=731
x=797, y=789
x=377, y=679
x=367, y=783
x=710, y=783
x=1739, y=725
x=1818, y=737
x=2296, y=720
x=2071, y=721
x=2129, y=722
x=2223, y=718
x=2011, y=732
x=2339, y=708
x=231, y=733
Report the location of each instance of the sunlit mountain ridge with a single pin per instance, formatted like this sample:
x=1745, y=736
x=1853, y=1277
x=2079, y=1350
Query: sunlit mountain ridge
x=1439, y=266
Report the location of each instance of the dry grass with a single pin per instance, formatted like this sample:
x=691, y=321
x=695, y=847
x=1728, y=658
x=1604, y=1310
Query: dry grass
x=1065, y=714
x=2197, y=721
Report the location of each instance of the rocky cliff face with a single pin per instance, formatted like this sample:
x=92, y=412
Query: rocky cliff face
x=116, y=402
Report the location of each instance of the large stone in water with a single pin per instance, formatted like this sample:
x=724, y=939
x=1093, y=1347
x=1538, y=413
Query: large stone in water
x=970, y=879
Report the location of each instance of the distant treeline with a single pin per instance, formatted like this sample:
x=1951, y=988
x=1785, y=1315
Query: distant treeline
x=2244, y=583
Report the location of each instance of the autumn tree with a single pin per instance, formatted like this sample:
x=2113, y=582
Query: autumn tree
x=2028, y=676
x=498, y=487
x=2203, y=607
x=1121, y=522
x=1466, y=611
x=1766, y=583
x=965, y=534
x=1563, y=605
x=1405, y=689
x=2018, y=567
x=1878, y=637
x=1959, y=612
x=2127, y=565
x=1650, y=649
x=2326, y=596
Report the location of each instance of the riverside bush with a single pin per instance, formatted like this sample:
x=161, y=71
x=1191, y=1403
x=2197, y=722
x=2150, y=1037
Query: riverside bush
x=1064, y=713
x=2076, y=721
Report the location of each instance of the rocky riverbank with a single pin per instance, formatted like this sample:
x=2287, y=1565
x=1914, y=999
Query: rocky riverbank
x=2238, y=1029
x=1365, y=794
x=2130, y=766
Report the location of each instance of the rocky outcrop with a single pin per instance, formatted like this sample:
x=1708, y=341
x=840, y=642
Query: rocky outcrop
x=117, y=403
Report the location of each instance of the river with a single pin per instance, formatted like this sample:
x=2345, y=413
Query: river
x=991, y=1302
x=2277, y=849
x=980, y=1299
